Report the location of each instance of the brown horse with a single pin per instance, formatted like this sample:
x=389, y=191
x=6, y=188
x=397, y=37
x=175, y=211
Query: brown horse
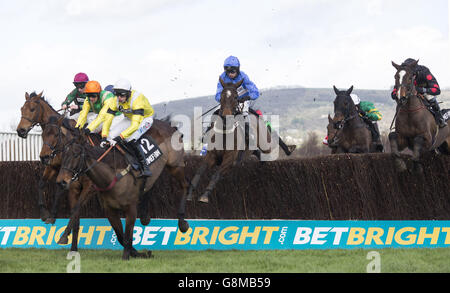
x=54, y=140
x=121, y=190
x=353, y=135
x=415, y=125
x=227, y=140
x=37, y=111
x=332, y=134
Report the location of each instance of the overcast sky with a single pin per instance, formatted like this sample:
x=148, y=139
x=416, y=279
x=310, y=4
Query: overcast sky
x=175, y=49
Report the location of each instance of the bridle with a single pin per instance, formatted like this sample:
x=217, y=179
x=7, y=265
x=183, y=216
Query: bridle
x=236, y=110
x=33, y=120
x=82, y=167
x=403, y=100
x=54, y=148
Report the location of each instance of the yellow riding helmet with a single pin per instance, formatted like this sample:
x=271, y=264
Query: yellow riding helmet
x=92, y=87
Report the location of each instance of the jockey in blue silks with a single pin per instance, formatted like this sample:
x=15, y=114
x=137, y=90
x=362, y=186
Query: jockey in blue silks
x=247, y=91
x=232, y=73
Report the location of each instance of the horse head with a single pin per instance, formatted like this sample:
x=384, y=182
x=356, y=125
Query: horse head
x=52, y=138
x=73, y=163
x=344, y=108
x=404, y=80
x=73, y=154
x=31, y=114
x=332, y=132
x=229, y=98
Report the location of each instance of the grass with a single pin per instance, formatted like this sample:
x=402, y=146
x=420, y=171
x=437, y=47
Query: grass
x=13, y=260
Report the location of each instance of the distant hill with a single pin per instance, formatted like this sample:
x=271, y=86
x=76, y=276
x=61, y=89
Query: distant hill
x=300, y=110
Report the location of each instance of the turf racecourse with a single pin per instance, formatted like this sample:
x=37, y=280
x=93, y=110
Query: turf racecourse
x=13, y=260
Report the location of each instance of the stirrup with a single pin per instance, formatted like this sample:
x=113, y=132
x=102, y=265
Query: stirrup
x=145, y=173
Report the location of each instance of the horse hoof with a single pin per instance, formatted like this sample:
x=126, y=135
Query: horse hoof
x=203, y=198
x=400, y=165
x=63, y=240
x=45, y=215
x=183, y=226
x=147, y=254
x=50, y=221
x=145, y=220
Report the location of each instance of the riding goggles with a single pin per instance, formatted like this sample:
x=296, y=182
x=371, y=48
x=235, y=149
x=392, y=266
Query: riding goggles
x=92, y=95
x=121, y=93
x=79, y=85
x=230, y=69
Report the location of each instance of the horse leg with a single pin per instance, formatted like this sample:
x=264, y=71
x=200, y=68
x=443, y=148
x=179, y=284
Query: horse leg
x=178, y=173
x=44, y=213
x=76, y=199
x=227, y=163
x=114, y=219
x=74, y=223
x=395, y=149
x=210, y=160
x=58, y=195
x=417, y=150
x=143, y=215
x=128, y=250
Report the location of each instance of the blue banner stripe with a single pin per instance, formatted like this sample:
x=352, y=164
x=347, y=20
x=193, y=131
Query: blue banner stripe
x=163, y=234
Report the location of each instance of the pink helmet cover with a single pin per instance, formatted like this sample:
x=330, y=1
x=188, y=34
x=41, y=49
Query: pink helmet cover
x=81, y=77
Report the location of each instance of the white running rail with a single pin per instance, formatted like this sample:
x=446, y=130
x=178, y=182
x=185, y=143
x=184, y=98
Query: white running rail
x=15, y=148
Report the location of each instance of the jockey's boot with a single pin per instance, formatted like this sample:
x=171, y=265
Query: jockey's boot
x=437, y=113
x=139, y=153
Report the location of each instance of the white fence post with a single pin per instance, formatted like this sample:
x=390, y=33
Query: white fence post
x=15, y=148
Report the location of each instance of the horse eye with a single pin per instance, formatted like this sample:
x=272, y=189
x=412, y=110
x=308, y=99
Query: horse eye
x=32, y=109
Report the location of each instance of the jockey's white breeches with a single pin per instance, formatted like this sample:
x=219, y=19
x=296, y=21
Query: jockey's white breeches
x=125, y=123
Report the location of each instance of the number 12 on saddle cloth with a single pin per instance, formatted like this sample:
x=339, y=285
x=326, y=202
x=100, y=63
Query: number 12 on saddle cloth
x=151, y=150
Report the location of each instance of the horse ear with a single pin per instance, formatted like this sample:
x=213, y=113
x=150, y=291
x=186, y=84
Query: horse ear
x=222, y=82
x=415, y=63
x=336, y=90
x=40, y=95
x=395, y=65
x=329, y=118
x=27, y=96
x=349, y=91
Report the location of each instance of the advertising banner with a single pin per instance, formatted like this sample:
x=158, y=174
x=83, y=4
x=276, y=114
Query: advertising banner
x=163, y=234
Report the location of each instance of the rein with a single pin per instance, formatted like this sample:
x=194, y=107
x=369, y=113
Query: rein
x=236, y=111
x=340, y=124
x=54, y=148
x=82, y=163
x=401, y=105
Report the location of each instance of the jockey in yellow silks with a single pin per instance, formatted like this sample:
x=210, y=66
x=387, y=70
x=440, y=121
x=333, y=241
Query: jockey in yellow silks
x=138, y=118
